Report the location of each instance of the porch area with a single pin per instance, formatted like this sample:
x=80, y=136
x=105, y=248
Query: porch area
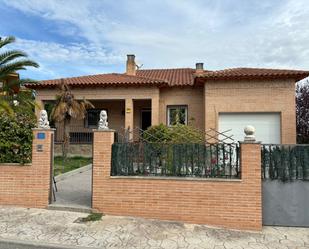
x=123, y=114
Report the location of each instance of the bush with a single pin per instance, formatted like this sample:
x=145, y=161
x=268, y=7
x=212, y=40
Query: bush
x=157, y=133
x=16, y=138
x=179, y=134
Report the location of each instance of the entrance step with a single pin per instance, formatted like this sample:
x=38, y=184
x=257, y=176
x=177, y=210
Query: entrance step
x=70, y=208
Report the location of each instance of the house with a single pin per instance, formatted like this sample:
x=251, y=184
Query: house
x=11, y=77
x=222, y=100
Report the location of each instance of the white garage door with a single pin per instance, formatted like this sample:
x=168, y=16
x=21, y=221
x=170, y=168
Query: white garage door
x=267, y=125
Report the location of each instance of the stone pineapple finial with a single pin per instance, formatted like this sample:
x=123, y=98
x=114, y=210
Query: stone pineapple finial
x=103, y=124
x=43, y=120
x=250, y=133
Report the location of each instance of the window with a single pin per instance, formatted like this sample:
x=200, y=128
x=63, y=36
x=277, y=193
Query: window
x=93, y=117
x=177, y=114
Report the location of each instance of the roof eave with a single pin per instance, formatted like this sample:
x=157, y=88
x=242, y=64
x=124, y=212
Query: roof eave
x=81, y=85
x=296, y=77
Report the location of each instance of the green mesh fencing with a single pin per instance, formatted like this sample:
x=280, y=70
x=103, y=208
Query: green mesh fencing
x=285, y=162
x=180, y=160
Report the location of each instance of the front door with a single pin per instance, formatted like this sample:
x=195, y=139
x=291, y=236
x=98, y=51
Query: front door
x=145, y=119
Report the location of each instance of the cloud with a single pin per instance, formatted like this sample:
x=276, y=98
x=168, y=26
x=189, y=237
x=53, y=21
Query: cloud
x=174, y=33
x=56, y=59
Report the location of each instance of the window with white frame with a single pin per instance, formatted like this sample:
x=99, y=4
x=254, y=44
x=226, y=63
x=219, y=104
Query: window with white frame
x=177, y=114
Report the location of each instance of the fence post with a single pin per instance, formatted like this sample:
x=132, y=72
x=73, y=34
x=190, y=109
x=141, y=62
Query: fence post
x=101, y=165
x=251, y=173
x=42, y=159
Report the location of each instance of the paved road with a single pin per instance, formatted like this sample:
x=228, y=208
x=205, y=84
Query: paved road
x=27, y=245
x=63, y=228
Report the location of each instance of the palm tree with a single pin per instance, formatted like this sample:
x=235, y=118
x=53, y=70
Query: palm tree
x=66, y=108
x=11, y=61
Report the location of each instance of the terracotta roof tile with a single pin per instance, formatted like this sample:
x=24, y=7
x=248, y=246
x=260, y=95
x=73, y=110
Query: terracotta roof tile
x=101, y=79
x=173, y=77
x=244, y=73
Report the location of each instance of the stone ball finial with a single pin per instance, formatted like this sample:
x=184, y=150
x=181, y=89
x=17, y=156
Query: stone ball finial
x=43, y=120
x=103, y=124
x=249, y=130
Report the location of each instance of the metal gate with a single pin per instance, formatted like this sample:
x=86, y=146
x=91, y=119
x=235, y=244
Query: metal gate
x=285, y=173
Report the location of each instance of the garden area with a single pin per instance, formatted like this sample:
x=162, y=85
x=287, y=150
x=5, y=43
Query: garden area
x=178, y=150
x=62, y=165
x=17, y=106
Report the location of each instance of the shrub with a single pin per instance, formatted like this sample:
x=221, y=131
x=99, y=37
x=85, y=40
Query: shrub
x=157, y=133
x=179, y=134
x=186, y=134
x=16, y=137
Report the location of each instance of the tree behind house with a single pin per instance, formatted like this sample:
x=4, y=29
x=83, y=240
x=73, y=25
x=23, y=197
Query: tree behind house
x=66, y=108
x=302, y=112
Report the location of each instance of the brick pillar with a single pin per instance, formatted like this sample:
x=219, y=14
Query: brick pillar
x=251, y=175
x=155, y=105
x=101, y=165
x=42, y=159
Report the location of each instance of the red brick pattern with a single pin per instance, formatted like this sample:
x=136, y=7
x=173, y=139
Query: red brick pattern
x=226, y=203
x=28, y=185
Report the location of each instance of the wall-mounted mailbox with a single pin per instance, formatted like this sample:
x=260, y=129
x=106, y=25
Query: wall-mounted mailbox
x=39, y=148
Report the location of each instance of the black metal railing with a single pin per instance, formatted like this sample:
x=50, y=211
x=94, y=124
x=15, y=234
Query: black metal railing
x=77, y=138
x=81, y=137
x=285, y=162
x=181, y=160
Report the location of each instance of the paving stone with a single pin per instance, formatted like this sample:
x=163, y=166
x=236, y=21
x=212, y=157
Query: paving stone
x=50, y=226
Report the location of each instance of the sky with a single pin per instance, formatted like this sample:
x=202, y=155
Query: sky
x=81, y=37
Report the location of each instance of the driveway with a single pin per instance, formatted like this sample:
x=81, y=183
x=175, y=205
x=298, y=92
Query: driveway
x=74, y=190
x=59, y=227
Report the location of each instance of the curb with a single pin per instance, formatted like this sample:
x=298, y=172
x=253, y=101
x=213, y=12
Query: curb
x=68, y=208
x=39, y=245
x=73, y=172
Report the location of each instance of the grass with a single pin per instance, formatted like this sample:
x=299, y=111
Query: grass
x=92, y=217
x=70, y=164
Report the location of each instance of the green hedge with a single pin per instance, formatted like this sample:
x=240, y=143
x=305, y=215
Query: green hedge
x=16, y=138
x=174, y=134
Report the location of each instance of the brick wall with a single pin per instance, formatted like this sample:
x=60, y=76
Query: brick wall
x=193, y=97
x=252, y=96
x=226, y=203
x=205, y=102
x=28, y=185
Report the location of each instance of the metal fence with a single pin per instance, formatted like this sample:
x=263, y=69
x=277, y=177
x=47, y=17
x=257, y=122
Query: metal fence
x=285, y=162
x=181, y=160
x=186, y=134
x=77, y=138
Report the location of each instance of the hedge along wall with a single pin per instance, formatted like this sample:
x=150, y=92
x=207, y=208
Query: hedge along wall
x=16, y=138
x=29, y=185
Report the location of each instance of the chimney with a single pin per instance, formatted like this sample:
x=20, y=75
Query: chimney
x=131, y=66
x=199, y=67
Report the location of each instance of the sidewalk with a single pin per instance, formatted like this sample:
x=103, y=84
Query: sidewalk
x=58, y=227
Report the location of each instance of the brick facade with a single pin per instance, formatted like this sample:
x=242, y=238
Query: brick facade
x=249, y=96
x=226, y=203
x=28, y=185
x=204, y=103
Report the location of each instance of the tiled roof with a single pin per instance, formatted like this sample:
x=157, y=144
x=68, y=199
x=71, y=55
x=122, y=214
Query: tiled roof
x=112, y=79
x=244, y=73
x=173, y=77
